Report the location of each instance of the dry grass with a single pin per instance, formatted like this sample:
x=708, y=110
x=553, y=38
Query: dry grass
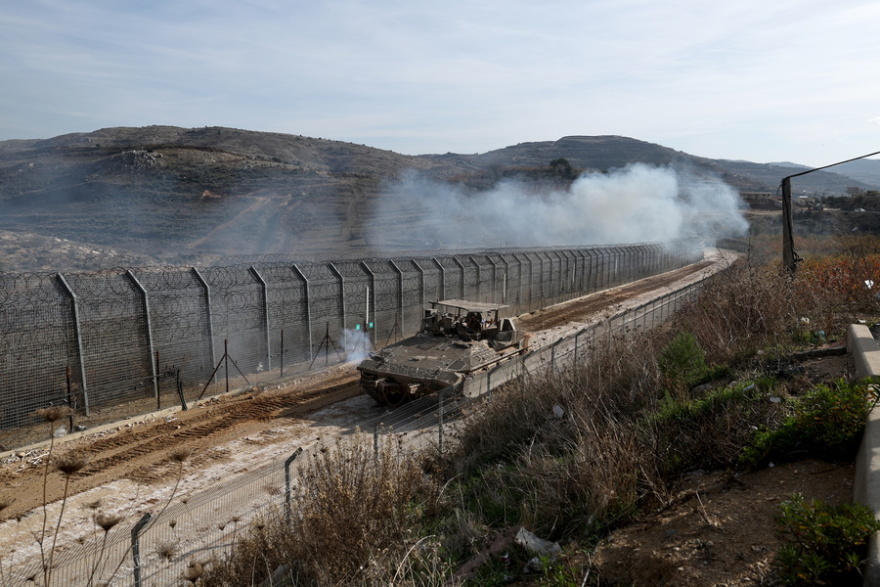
x=626, y=432
x=357, y=508
x=567, y=454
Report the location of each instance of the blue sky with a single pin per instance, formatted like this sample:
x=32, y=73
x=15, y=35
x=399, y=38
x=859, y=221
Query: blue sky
x=762, y=81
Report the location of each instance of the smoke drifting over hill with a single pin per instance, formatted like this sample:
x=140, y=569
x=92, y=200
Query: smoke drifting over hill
x=638, y=203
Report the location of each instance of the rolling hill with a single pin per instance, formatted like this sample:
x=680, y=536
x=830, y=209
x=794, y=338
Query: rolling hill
x=164, y=194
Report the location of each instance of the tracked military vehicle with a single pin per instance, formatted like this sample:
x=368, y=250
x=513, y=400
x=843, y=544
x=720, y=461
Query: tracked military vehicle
x=457, y=339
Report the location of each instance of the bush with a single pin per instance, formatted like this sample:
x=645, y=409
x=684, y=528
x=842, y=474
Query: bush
x=683, y=363
x=568, y=472
x=357, y=508
x=742, y=310
x=826, y=423
x=826, y=544
x=707, y=432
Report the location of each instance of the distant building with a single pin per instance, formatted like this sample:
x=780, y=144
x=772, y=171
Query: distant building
x=762, y=200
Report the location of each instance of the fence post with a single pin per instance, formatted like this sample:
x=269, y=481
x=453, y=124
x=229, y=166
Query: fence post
x=136, y=547
x=399, y=295
x=156, y=380
x=479, y=278
x=287, y=491
x=70, y=403
x=542, y=278
x=461, y=289
x=494, y=297
x=308, y=309
x=440, y=423
x=264, y=289
x=442, y=278
x=421, y=286
x=531, y=282
x=503, y=278
x=180, y=392
x=77, y=331
x=371, y=302
x=341, y=290
x=522, y=290
x=207, y=289
x=146, y=300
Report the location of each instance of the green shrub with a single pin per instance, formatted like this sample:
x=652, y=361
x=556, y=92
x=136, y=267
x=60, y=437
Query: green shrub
x=826, y=544
x=707, y=432
x=826, y=423
x=683, y=362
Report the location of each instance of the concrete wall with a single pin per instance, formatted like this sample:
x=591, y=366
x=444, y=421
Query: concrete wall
x=866, y=356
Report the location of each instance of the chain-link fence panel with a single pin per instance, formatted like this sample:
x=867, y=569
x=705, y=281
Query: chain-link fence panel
x=116, y=343
x=413, y=300
x=163, y=548
x=38, y=350
x=119, y=364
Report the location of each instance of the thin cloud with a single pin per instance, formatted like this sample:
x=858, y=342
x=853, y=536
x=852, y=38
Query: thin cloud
x=426, y=78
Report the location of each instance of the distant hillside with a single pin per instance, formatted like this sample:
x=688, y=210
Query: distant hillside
x=610, y=152
x=865, y=170
x=172, y=192
x=175, y=194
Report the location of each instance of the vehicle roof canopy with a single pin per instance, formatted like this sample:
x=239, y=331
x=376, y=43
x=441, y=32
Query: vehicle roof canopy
x=468, y=306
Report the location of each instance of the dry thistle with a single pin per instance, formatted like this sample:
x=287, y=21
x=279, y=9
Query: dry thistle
x=71, y=463
x=172, y=524
x=180, y=455
x=107, y=521
x=166, y=550
x=53, y=413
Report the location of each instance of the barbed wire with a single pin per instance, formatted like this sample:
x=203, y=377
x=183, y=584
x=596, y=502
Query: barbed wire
x=104, y=338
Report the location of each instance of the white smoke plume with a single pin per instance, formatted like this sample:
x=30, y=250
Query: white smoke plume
x=639, y=203
x=356, y=344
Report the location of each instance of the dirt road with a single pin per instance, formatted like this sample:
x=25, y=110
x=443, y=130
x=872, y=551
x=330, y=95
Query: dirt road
x=133, y=464
x=142, y=451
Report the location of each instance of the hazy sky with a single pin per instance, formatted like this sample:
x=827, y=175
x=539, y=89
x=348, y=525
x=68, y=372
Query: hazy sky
x=795, y=80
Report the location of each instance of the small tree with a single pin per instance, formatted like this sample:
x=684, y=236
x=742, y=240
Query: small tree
x=561, y=166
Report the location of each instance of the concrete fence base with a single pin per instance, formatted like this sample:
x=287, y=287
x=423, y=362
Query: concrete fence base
x=866, y=355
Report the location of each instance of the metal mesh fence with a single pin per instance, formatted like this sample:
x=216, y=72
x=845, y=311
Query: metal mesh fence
x=161, y=549
x=117, y=343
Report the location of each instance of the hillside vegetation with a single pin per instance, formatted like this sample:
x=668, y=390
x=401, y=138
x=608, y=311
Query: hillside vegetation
x=171, y=195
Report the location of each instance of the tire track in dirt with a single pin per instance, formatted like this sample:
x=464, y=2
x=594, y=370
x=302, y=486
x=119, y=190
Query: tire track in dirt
x=566, y=312
x=143, y=452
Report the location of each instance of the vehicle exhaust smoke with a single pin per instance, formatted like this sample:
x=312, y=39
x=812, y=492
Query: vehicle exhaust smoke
x=638, y=203
x=356, y=344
